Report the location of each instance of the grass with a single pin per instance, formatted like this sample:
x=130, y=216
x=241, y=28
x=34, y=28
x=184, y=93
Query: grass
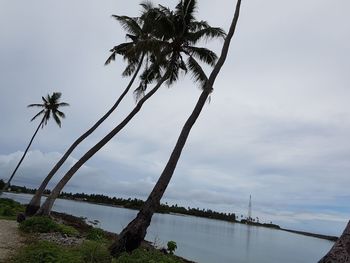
x=93, y=250
x=38, y=224
x=48, y=252
x=9, y=209
x=88, y=252
x=147, y=256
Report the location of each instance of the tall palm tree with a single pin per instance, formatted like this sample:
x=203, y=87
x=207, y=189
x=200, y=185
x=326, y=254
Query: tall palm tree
x=138, y=32
x=172, y=44
x=50, y=107
x=131, y=236
x=340, y=252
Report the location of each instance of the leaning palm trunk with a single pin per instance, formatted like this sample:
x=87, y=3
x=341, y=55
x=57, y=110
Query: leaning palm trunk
x=45, y=209
x=340, y=252
x=34, y=204
x=130, y=238
x=24, y=155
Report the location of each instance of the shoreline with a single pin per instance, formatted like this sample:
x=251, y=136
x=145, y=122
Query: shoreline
x=304, y=233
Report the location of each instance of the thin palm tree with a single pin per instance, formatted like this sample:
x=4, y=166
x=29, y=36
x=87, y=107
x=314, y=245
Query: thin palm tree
x=171, y=48
x=130, y=238
x=138, y=32
x=50, y=107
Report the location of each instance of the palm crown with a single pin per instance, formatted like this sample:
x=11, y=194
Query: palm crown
x=166, y=37
x=50, y=106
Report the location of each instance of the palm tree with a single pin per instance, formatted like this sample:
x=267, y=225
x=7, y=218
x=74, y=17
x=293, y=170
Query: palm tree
x=170, y=47
x=130, y=238
x=340, y=250
x=50, y=106
x=138, y=32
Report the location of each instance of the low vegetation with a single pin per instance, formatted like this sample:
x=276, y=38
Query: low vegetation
x=147, y=256
x=39, y=224
x=9, y=208
x=94, y=248
x=49, y=252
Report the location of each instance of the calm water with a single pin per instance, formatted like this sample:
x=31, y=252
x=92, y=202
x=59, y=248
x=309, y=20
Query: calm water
x=204, y=240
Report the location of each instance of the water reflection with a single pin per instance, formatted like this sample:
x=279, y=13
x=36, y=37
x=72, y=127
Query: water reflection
x=247, y=243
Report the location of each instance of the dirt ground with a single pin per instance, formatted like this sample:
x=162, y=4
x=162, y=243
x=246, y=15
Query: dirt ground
x=10, y=239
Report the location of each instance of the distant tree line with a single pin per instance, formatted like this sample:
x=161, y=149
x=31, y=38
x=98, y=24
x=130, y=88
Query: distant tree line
x=134, y=204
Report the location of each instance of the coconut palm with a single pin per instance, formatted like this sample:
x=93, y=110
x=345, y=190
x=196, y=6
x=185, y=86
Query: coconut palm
x=138, y=32
x=50, y=107
x=340, y=251
x=131, y=236
x=172, y=44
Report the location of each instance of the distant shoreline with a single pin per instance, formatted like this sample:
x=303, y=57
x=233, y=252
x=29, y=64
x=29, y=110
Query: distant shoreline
x=276, y=227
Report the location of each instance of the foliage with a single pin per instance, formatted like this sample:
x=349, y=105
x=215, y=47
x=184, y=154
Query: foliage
x=9, y=208
x=171, y=247
x=147, y=256
x=38, y=224
x=96, y=234
x=41, y=224
x=48, y=252
x=67, y=230
x=92, y=251
x=50, y=107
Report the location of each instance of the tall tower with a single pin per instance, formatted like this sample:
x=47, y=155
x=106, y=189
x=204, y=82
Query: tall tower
x=249, y=219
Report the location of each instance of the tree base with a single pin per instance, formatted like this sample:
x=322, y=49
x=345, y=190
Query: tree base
x=20, y=217
x=31, y=209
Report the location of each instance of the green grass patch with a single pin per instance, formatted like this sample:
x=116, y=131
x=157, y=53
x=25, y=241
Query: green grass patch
x=41, y=224
x=146, y=256
x=48, y=252
x=96, y=234
x=10, y=208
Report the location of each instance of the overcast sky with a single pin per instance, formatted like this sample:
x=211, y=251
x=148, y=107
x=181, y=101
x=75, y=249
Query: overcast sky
x=277, y=126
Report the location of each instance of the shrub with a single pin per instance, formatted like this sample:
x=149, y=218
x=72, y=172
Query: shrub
x=96, y=234
x=67, y=230
x=39, y=224
x=94, y=252
x=42, y=224
x=9, y=208
x=145, y=256
x=172, y=247
x=46, y=252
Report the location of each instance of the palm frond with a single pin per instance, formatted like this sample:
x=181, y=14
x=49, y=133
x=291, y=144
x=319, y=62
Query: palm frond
x=129, y=24
x=197, y=72
x=121, y=49
x=198, y=25
x=203, y=54
x=61, y=114
x=62, y=104
x=57, y=119
x=206, y=33
x=38, y=114
x=36, y=105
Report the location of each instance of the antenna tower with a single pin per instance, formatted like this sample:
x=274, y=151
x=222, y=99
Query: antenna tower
x=249, y=219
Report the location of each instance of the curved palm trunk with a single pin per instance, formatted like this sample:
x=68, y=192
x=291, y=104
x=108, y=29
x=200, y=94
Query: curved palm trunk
x=34, y=204
x=340, y=252
x=24, y=155
x=45, y=209
x=130, y=238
